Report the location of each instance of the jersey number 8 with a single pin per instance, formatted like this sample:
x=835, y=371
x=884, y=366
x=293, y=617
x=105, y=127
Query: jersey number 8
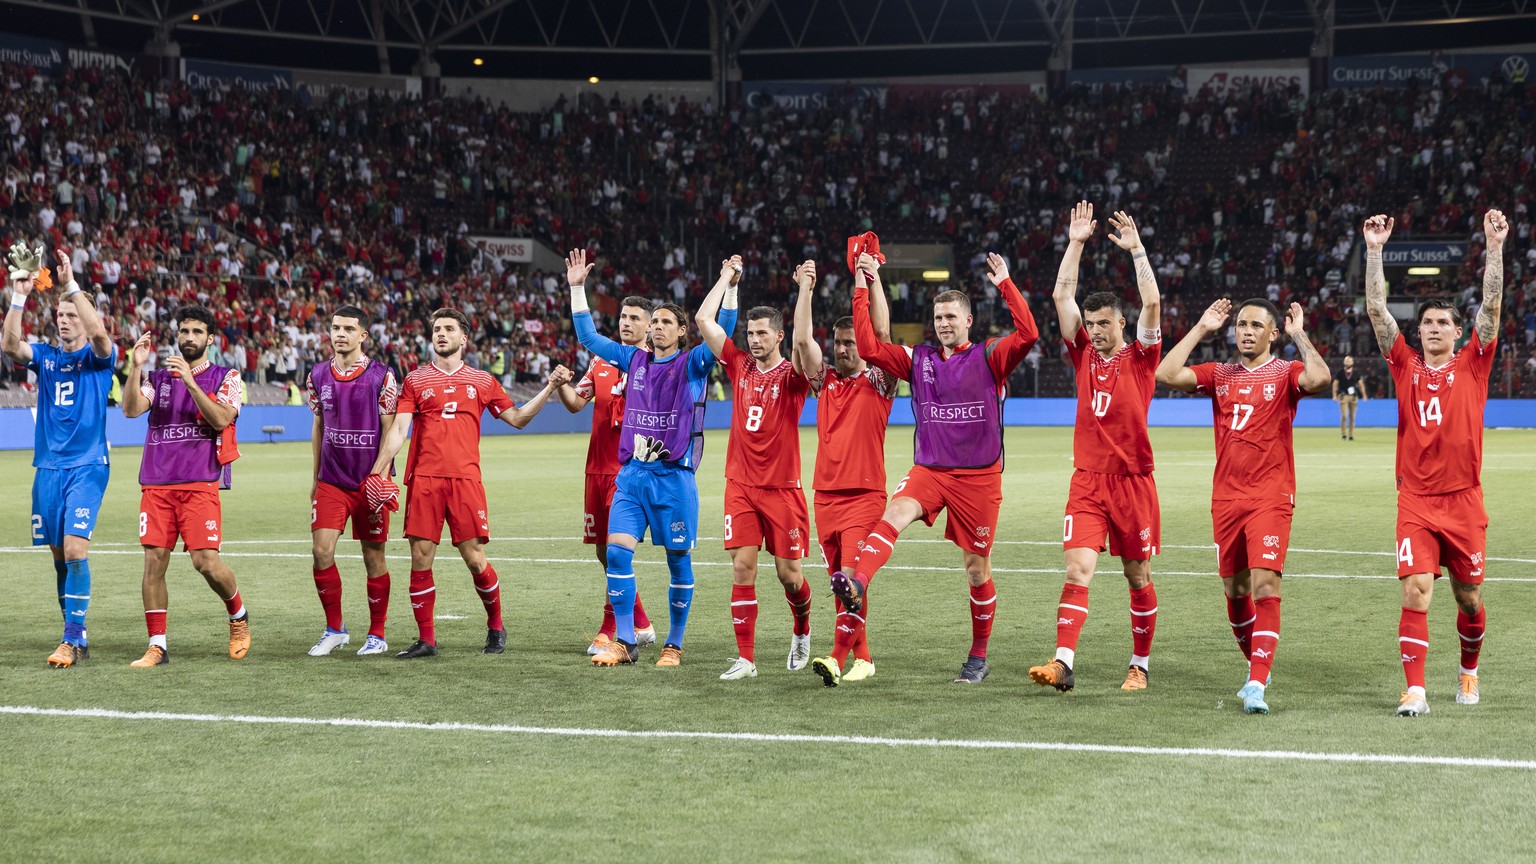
x=754, y=418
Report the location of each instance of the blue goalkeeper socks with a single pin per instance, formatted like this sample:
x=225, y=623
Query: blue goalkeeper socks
x=77, y=599
x=679, y=595
x=621, y=591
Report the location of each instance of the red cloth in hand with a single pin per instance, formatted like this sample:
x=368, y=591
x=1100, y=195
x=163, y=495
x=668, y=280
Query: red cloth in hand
x=382, y=493
x=866, y=242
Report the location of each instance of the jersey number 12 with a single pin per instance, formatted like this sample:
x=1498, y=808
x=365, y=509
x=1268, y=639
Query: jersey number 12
x=63, y=392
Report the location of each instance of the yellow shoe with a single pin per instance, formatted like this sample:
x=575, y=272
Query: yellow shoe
x=155, y=656
x=66, y=654
x=860, y=670
x=239, y=637
x=1466, y=689
x=829, y=669
x=615, y=654
x=1135, y=679
x=670, y=656
x=598, y=642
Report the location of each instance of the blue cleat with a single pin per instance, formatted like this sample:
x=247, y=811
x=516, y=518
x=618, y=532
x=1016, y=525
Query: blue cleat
x=1253, y=699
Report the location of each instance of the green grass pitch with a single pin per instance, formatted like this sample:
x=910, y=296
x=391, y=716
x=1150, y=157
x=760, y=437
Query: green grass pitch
x=135, y=789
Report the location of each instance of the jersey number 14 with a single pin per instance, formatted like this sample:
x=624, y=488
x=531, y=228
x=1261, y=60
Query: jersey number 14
x=1429, y=411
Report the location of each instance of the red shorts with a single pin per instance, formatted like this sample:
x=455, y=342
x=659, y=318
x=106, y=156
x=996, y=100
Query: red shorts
x=459, y=501
x=1122, y=506
x=763, y=517
x=192, y=514
x=1251, y=534
x=598, y=500
x=973, y=502
x=843, y=520
x=333, y=506
x=1449, y=531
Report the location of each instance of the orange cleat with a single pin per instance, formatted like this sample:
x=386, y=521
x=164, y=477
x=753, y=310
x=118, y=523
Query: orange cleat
x=239, y=637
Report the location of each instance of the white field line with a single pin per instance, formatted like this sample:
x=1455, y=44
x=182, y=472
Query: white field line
x=658, y=563
x=767, y=738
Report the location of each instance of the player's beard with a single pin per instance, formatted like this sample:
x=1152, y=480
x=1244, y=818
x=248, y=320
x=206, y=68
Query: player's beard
x=449, y=352
x=193, y=355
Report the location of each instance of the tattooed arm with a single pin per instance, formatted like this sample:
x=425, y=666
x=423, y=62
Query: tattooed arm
x=1495, y=230
x=1316, y=375
x=1377, y=230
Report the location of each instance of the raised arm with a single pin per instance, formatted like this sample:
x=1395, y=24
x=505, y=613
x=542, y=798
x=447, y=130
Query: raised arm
x=1377, y=230
x=134, y=401
x=1316, y=375
x=1173, y=372
x=14, y=346
x=806, y=353
x=521, y=415
x=1128, y=237
x=85, y=307
x=879, y=300
x=576, y=270
x=1079, y=229
x=1006, y=353
x=722, y=295
x=1495, y=230
x=876, y=351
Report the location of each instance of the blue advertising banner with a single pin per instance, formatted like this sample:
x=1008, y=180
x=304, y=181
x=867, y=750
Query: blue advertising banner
x=1408, y=253
x=1455, y=70
x=45, y=55
x=206, y=74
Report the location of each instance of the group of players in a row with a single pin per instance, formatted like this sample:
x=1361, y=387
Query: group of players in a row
x=647, y=440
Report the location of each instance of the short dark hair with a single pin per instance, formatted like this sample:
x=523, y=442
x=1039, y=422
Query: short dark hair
x=456, y=315
x=843, y=323
x=953, y=296
x=774, y=316
x=363, y=319
x=1439, y=303
x=1102, y=300
x=644, y=304
x=1274, y=314
x=194, y=312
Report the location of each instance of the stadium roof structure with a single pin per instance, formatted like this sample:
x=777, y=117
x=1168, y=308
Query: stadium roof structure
x=766, y=39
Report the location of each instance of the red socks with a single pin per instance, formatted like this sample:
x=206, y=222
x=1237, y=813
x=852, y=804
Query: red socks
x=328, y=586
x=642, y=620
x=800, y=606
x=423, y=601
x=1470, y=628
x=1265, y=638
x=848, y=635
x=234, y=605
x=875, y=552
x=983, y=608
x=1241, y=615
x=154, y=620
x=610, y=627
x=1071, y=613
x=744, y=618
x=1413, y=644
x=378, y=604
x=489, y=589
x=1143, y=620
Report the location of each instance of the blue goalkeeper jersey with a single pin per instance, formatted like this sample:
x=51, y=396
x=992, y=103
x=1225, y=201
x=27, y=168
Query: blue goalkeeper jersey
x=72, y=391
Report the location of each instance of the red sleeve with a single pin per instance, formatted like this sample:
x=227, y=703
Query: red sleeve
x=1205, y=377
x=586, y=388
x=1147, y=355
x=309, y=390
x=495, y=398
x=1479, y=357
x=407, y=403
x=881, y=355
x=1006, y=353
x=1400, y=354
x=798, y=384
x=1076, y=346
x=818, y=381
x=1297, y=394
x=389, y=394
x=730, y=358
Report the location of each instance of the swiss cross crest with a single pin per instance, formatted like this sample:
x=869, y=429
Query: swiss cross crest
x=984, y=531
x=469, y=390
x=427, y=393
x=774, y=394
x=1450, y=378
x=794, y=535
x=1269, y=392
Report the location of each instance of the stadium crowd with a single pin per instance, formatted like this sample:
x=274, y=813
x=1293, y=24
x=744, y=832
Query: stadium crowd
x=272, y=208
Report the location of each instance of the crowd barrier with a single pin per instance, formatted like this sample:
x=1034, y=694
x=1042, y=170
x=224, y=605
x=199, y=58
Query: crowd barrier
x=16, y=424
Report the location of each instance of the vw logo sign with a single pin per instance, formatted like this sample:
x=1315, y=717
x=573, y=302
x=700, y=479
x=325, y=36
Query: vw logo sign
x=1515, y=68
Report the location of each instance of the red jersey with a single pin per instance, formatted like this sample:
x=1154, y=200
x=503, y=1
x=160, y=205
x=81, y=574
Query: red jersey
x=1254, y=411
x=1440, y=417
x=603, y=386
x=851, y=416
x=765, y=421
x=1113, y=398
x=445, y=439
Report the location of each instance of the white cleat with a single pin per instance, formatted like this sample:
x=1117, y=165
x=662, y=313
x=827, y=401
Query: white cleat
x=860, y=670
x=1413, y=703
x=330, y=641
x=373, y=645
x=1466, y=689
x=646, y=636
x=799, y=652
x=740, y=668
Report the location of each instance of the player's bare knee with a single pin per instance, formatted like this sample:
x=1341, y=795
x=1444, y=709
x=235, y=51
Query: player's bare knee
x=324, y=555
x=978, y=570
x=76, y=548
x=1469, y=597
x=1138, y=573
x=789, y=572
x=744, y=572
x=206, y=562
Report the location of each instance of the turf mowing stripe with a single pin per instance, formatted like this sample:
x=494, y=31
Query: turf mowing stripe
x=766, y=738
x=1024, y=570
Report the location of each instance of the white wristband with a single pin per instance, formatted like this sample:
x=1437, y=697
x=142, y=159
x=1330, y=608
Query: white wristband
x=1150, y=336
x=71, y=289
x=731, y=298
x=579, y=299
x=18, y=302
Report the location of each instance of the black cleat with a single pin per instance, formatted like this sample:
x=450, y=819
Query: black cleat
x=418, y=649
x=82, y=653
x=849, y=591
x=495, y=642
x=973, y=671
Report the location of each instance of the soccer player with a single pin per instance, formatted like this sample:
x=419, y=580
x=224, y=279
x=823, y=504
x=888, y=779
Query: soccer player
x=1348, y=391
x=445, y=398
x=764, y=504
x=603, y=386
x=1441, y=393
x=70, y=441
x=660, y=445
x=958, y=388
x=1112, y=491
x=192, y=406
x=353, y=399
x=853, y=407
x=1253, y=491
